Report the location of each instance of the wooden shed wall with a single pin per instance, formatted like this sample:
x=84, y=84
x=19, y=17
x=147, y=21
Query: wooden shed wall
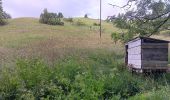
x=134, y=54
x=154, y=55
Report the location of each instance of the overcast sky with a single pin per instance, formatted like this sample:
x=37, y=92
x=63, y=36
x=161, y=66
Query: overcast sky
x=70, y=8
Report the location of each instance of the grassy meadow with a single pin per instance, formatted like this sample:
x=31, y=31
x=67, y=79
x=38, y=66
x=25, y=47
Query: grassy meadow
x=70, y=62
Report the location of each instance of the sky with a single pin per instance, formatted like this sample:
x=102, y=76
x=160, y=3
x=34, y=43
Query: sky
x=69, y=8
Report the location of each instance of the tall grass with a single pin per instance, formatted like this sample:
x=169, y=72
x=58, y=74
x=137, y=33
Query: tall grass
x=96, y=76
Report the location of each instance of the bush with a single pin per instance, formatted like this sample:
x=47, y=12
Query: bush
x=9, y=84
x=53, y=21
x=96, y=24
x=2, y=22
x=80, y=23
x=69, y=20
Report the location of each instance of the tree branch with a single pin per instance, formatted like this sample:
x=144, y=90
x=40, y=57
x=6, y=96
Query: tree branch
x=160, y=25
x=128, y=4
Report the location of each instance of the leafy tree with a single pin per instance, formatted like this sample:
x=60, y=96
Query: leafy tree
x=143, y=18
x=60, y=15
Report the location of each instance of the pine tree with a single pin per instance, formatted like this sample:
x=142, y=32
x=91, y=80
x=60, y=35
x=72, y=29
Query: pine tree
x=2, y=22
x=1, y=10
x=85, y=16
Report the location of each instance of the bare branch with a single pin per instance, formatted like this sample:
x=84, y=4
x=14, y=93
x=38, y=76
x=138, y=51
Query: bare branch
x=129, y=4
x=158, y=16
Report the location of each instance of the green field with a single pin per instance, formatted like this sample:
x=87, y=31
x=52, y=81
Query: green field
x=44, y=62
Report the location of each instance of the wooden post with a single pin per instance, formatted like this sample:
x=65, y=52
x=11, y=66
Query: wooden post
x=100, y=18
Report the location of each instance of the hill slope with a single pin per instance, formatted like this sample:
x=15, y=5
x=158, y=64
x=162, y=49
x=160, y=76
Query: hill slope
x=69, y=62
x=27, y=37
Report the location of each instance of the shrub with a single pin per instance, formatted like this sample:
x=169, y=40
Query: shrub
x=96, y=24
x=80, y=23
x=2, y=22
x=54, y=21
x=69, y=20
x=9, y=84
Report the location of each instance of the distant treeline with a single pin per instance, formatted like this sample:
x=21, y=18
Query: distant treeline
x=51, y=18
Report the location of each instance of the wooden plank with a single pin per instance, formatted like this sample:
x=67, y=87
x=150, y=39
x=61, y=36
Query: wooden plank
x=134, y=57
x=154, y=68
x=152, y=46
x=134, y=62
x=135, y=50
x=155, y=64
x=155, y=45
x=155, y=54
x=134, y=44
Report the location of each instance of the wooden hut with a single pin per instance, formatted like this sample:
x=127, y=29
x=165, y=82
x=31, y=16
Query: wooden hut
x=147, y=54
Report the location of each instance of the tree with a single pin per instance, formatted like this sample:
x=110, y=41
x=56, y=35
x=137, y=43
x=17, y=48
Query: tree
x=60, y=15
x=85, y=16
x=6, y=15
x=44, y=17
x=143, y=18
x=2, y=22
x=50, y=18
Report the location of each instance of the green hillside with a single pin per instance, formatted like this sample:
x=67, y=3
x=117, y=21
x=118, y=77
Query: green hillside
x=70, y=62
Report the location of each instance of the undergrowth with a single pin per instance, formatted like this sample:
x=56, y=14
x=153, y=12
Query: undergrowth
x=97, y=76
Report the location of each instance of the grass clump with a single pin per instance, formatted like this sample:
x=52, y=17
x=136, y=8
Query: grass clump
x=162, y=94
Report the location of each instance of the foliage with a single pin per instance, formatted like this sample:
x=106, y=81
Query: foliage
x=86, y=16
x=51, y=18
x=54, y=21
x=99, y=76
x=145, y=18
x=162, y=94
x=2, y=21
x=60, y=15
x=96, y=24
x=69, y=20
x=122, y=37
x=110, y=18
x=6, y=15
x=80, y=23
